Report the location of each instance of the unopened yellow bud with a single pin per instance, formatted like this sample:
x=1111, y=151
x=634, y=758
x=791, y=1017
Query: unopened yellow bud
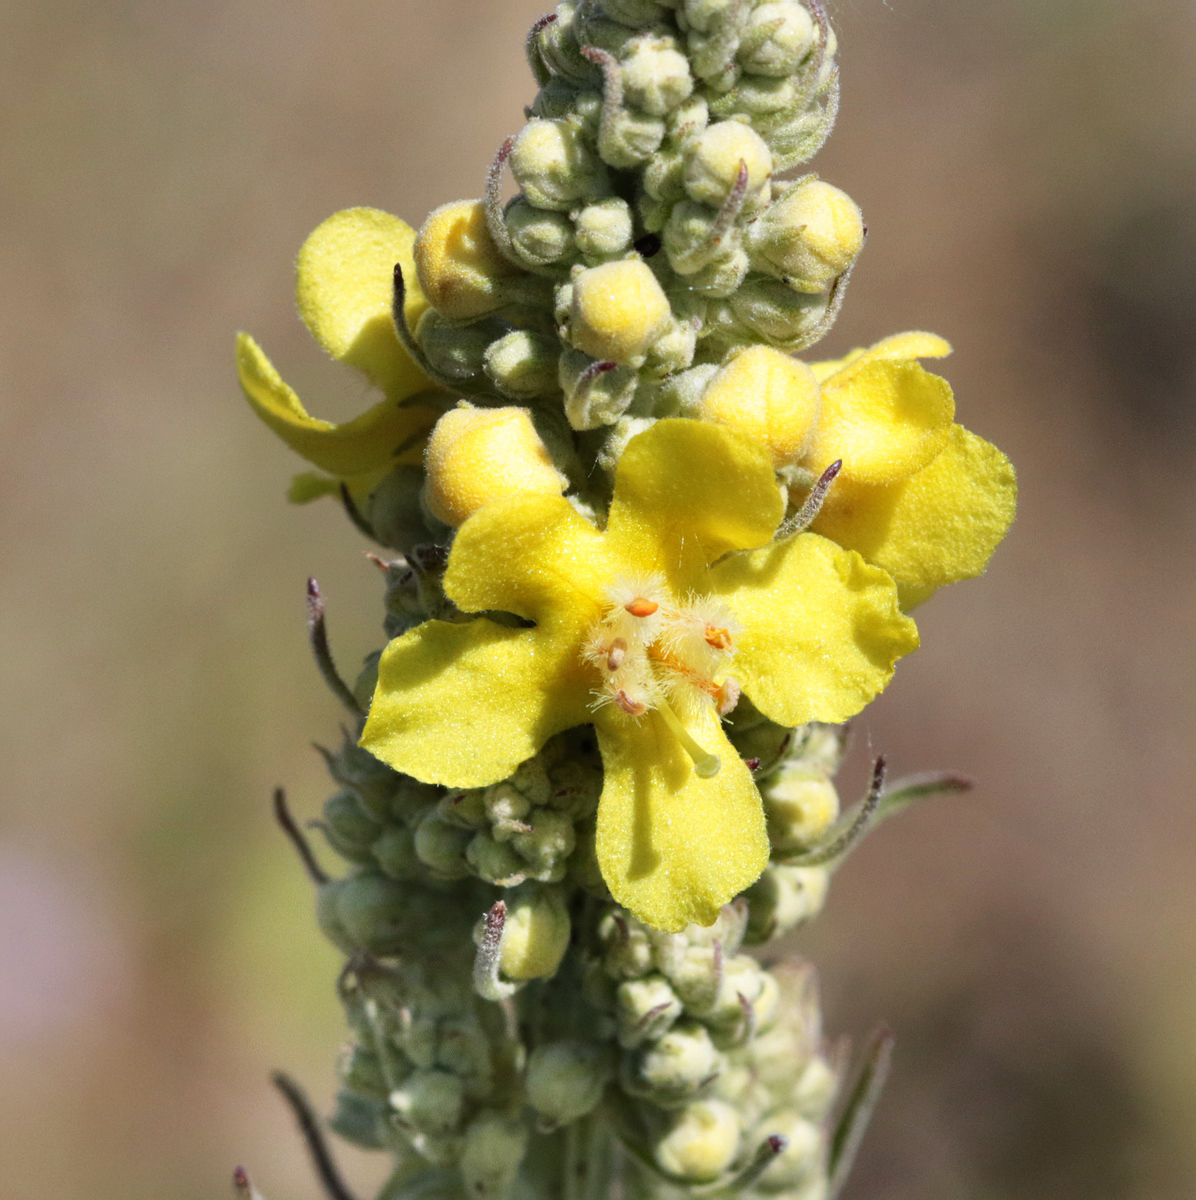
x=768, y=395
x=535, y=935
x=702, y=1143
x=618, y=310
x=713, y=162
x=808, y=237
x=480, y=454
x=800, y=806
x=461, y=270
x=553, y=165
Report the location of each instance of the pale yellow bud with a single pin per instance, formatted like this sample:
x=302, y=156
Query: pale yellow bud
x=480, y=454
x=535, y=935
x=702, y=1143
x=809, y=237
x=768, y=395
x=553, y=165
x=460, y=269
x=618, y=310
x=712, y=164
x=800, y=806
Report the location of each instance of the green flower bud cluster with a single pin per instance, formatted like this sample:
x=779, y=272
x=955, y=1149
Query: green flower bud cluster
x=650, y=236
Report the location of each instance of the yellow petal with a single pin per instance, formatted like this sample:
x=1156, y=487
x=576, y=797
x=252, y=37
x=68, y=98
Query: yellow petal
x=674, y=847
x=900, y=345
x=939, y=526
x=820, y=629
x=686, y=492
x=366, y=443
x=534, y=555
x=885, y=418
x=464, y=705
x=344, y=287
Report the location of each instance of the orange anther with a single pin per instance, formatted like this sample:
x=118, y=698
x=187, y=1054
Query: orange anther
x=719, y=639
x=633, y=708
x=641, y=607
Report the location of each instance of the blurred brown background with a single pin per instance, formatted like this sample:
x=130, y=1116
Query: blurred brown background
x=1028, y=172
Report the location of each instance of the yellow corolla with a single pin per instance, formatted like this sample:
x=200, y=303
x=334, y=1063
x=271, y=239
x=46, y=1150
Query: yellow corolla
x=344, y=285
x=648, y=630
x=918, y=494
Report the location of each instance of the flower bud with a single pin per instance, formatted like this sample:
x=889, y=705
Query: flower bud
x=681, y=395
x=704, y=15
x=480, y=454
x=393, y=511
x=815, y=1090
x=433, y=1102
x=767, y=310
x=565, y=1080
x=349, y=828
x=440, y=846
x=702, y=1142
x=628, y=949
x=800, y=805
x=713, y=161
x=689, y=237
x=361, y=1120
x=768, y=395
x=656, y=75
x=495, y=862
x=595, y=394
x=395, y=853
x=493, y=1152
x=535, y=934
x=604, y=229
x=506, y=808
x=809, y=237
x=460, y=269
x=546, y=846
x=784, y=898
x=553, y=165
x=635, y=13
x=803, y=1157
x=372, y=910
x=629, y=137
x=776, y=38
x=676, y=1068
x=558, y=47
x=523, y=364
x=360, y=1070
x=455, y=351
x=617, y=311
x=646, y=1009
x=540, y=237
x=624, y=429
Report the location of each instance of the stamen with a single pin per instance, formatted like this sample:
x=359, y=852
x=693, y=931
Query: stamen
x=706, y=765
x=727, y=695
x=633, y=708
x=618, y=651
x=641, y=607
x=718, y=638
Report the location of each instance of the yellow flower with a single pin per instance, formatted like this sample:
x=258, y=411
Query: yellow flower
x=918, y=494
x=344, y=285
x=646, y=630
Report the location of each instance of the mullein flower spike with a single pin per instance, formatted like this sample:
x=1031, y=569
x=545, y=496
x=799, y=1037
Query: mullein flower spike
x=647, y=561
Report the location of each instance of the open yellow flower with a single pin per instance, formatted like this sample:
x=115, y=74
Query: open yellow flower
x=918, y=494
x=647, y=630
x=344, y=284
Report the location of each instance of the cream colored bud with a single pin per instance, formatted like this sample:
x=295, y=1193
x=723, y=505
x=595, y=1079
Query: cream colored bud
x=523, y=364
x=803, y=1157
x=493, y=1152
x=546, y=846
x=627, y=952
x=604, y=229
x=784, y=898
x=800, y=805
x=506, y=807
x=769, y=311
x=460, y=269
x=535, y=935
x=476, y=455
x=553, y=166
x=565, y=1080
x=645, y=1009
x=673, y=351
x=617, y=311
x=702, y=1143
x=656, y=75
x=713, y=161
x=630, y=137
x=809, y=237
x=689, y=237
x=815, y=1090
x=768, y=395
x=676, y=1067
x=776, y=38
x=540, y=237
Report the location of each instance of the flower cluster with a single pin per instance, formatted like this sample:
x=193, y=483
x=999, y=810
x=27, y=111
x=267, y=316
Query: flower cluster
x=646, y=559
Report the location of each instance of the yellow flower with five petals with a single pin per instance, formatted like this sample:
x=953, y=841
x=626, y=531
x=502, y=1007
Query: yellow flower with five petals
x=344, y=288
x=647, y=629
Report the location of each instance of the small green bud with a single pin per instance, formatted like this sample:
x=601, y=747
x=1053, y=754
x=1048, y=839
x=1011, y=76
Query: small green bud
x=426, y=1185
x=763, y=742
x=673, y=351
x=531, y=777
x=440, y=846
x=796, y=134
x=704, y=15
x=553, y=165
x=625, y=428
x=675, y=1069
x=821, y=746
x=784, y=898
x=535, y=934
x=776, y=38
x=702, y=1143
x=565, y=1080
x=360, y=1070
x=663, y=180
x=802, y=1159
x=360, y=1120
x=800, y=804
x=506, y=808
x=680, y=396
x=646, y=1009
x=690, y=237
x=627, y=948
x=523, y=364
x=768, y=311
x=433, y=1102
x=755, y=99
x=713, y=161
x=595, y=394
x=466, y=809
x=731, y=1015
x=540, y=237
x=371, y=780
x=635, y=13
x=394, y=852
x=604, y=229
x=453, y=349
x=372, y=909
x=723, y=276
x=393, y=512
x=349, y=828
x=656, y=75
x=495, y=862
x=493, y=1152
x=546, y=847
x=809, y=237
